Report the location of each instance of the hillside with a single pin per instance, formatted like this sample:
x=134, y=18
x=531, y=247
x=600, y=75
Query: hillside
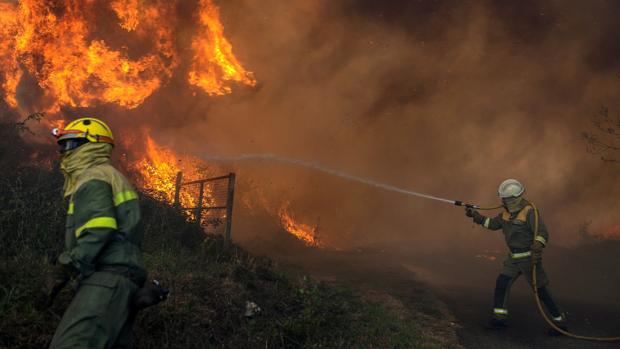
x=209, y=284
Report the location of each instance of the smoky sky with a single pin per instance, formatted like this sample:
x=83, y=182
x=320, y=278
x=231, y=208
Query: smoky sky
x=443, y=97
x=447, y=98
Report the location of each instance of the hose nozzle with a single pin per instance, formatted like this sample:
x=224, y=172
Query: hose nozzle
x=461, y=203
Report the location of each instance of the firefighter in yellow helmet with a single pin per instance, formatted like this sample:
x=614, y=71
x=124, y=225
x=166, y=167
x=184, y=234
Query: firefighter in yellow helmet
x=102, y=247
x=517, y=224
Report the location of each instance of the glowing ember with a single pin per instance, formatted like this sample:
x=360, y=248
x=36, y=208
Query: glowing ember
x=303, y=232
x=56, y=43
x=487, y=257
x=213, y=61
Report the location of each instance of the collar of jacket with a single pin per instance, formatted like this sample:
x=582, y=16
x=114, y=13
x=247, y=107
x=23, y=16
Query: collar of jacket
x=74, y=162
x=516, y=206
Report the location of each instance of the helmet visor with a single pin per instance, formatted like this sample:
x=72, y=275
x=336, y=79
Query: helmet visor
x=69, y=144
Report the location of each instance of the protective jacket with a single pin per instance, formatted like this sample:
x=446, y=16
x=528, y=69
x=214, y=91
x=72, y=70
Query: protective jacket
x=103, y=248
x=518, y=228
x=102, y=220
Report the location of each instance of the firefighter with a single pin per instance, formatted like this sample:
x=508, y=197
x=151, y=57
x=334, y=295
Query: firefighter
x=102, y=246
x=517, y=224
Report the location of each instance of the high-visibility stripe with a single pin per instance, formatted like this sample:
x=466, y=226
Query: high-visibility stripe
x=487, y=221
x=70, y=210
x=99, y=222
x=125, y=196
x=521, y=254
x=541, y=239
x=500, y=311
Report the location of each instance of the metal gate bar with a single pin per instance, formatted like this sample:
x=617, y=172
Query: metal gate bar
x=200, y=207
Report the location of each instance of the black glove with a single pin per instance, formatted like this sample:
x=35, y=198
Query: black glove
x=55, y=280
x=469, y=211
x=537, y=250
x=150, y=294
x=477, y=217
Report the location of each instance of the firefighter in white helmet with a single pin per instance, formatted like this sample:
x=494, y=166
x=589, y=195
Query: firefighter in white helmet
x=517, y=224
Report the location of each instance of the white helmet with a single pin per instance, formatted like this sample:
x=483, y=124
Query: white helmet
x=510, y=188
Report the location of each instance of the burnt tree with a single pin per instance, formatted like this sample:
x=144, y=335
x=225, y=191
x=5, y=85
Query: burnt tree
x=604, y=139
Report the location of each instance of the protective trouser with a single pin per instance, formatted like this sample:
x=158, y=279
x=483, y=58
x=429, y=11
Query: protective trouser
x=100, y=314
x=513, y=268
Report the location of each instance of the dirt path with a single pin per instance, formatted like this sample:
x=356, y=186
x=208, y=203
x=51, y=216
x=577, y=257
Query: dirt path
x=469, y=307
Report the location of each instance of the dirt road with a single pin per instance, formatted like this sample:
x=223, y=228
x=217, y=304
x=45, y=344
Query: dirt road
x=470, y=306
x=527, y=329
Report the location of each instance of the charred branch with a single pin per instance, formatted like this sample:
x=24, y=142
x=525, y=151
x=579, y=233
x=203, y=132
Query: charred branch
x=602, y=140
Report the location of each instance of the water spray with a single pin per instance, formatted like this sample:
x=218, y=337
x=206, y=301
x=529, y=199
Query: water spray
x=392, y=188
x=337, y=173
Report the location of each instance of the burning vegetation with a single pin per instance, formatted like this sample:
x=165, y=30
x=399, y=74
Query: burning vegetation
x=306, y=233
x=57, y=44
x=77, y=64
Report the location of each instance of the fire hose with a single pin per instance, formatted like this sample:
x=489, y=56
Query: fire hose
x=540, y=308
x=388, y=187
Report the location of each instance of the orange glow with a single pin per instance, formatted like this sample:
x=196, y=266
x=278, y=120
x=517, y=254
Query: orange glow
x=304, y=232
x=128, y=11
x=610, y=233
x=59, y=47
x=213, y=62
x=158, y=170
x=10, y=72
x=487, y=257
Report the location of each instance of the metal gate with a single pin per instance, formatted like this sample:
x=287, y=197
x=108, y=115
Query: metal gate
x=212, y=199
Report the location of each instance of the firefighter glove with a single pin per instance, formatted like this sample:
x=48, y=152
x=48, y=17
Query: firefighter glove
x=149, y=295
x=469, y=211
x=56, y=279
x=537, y=249
x=477, y=217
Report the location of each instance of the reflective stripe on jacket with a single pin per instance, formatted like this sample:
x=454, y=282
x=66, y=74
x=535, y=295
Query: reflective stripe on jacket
x=102, y=222
x=518, y=228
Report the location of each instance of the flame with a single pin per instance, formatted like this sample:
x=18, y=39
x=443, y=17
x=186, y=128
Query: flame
x=220, y=64
x=56, y=43
x=158, y=170
x=128, y=11
x=304, y=232
x=8, y=58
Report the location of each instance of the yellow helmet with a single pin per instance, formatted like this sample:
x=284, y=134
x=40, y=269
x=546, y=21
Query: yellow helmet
x=82, y=131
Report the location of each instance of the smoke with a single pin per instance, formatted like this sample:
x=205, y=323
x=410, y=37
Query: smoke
x=446, y=98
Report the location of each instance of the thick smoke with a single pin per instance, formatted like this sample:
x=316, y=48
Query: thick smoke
x=447, y=98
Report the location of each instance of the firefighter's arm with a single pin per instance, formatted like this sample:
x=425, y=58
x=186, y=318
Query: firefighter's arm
x=542, y=235
x=492, y=223
x=95, y=222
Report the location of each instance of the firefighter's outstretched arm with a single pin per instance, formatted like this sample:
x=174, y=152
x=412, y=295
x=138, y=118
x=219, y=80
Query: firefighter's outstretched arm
x=95, y=225
x=494, y=223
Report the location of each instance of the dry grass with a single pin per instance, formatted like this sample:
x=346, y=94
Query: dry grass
x=209, y=284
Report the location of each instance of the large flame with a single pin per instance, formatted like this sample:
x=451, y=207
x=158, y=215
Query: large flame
x=57, y=44
x=306, y=233
x=213, y=61
x=158, y=169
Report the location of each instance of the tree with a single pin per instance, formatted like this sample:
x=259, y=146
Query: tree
x=604, y=138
